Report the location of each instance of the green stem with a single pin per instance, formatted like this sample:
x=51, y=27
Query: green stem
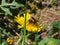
x=24, y=30
x=36, y=38
x=25, y=26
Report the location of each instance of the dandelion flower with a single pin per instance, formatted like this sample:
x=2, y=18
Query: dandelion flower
x=31, y=24
x=9, y=41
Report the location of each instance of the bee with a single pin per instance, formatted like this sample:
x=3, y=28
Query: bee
x=33, y=20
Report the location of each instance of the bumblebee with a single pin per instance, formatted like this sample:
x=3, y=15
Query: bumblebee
x=33, y=20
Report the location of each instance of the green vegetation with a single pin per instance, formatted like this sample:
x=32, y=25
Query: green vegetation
x=23, y=22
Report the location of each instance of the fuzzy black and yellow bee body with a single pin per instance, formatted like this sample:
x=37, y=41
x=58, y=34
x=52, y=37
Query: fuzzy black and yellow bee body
x=33, y=20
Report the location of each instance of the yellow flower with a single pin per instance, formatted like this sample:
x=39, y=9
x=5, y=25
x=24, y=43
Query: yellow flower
x=30, y=26
x=19, y=20
x=10, y=41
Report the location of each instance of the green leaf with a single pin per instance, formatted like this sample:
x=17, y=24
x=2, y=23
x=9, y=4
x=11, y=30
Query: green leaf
x=12, y=5
x=43, y=42
x=53, y=2
x=49, y=41
x=17, y=5
x=8, y=33
x=7, y=11
x=36, y=39
x=4, y=43
x=1, y=13
x=56, y=24
x=3, y=2
x=55, y=27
